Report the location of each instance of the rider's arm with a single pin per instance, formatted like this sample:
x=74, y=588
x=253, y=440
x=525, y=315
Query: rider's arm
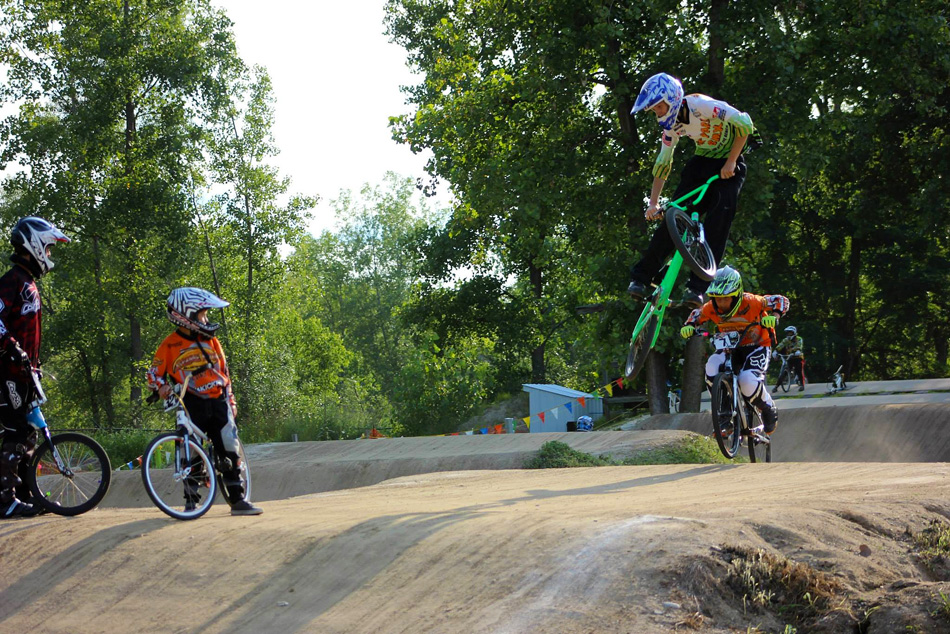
x=229, y=388
x=664, y=160
x=156, y=373
x=655, y=191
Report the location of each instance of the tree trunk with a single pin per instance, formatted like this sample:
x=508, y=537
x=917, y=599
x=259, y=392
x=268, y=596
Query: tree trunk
x=716, y=70
x=656, y=379
x=538, y=370
x=694, y=373
x=851, y=359
x=93, y=392
x=104, y=385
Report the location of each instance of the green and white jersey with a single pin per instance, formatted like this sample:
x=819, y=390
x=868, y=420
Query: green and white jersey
x=711, y=123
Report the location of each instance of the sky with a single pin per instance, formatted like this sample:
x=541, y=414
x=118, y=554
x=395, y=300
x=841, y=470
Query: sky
x=336, y=80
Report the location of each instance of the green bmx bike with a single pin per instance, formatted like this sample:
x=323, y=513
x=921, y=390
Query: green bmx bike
x=691, y=248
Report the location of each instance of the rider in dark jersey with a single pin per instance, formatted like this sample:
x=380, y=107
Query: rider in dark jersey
x=20, y=330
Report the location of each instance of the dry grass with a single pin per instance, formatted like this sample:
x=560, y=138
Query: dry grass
x=795, y=591
x=933, y=549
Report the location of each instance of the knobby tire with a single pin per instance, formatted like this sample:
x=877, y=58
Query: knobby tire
x=167, y=492
x=640, y=344
x=723, y=409
x=685, y=235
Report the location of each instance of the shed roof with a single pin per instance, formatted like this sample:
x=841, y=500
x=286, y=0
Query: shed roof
x=555, y=389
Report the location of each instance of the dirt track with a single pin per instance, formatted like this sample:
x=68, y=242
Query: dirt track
x=578, y=550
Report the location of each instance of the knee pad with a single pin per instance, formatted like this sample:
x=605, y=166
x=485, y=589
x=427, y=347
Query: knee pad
x=229, y=437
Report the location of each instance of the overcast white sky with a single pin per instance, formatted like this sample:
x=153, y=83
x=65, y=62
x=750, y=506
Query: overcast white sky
x=336, y=82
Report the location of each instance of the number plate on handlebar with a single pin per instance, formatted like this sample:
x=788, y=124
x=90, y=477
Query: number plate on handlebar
x=726, y=340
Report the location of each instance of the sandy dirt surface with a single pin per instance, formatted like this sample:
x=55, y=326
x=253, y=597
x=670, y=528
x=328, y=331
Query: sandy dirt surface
x=613, y=549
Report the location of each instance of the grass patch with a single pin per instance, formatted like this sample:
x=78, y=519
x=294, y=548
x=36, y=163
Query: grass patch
x=933, y=549
x=794, y=590
x=558, y=455
x=693, y=449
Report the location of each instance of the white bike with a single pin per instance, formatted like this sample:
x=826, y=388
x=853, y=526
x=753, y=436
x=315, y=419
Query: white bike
x=179, y=469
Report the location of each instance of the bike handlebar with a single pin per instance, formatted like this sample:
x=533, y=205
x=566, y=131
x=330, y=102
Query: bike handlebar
x=700, y=192
x=771, y=331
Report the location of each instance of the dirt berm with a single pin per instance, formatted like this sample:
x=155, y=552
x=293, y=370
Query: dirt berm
x=829, y=547
x=859, y=433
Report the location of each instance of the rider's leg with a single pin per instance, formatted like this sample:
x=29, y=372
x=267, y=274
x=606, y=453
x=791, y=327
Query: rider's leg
x=799, y=367
x=752, y=386
x=722, y=200
x=19, y=441
x=221, y=429
x=713, y=367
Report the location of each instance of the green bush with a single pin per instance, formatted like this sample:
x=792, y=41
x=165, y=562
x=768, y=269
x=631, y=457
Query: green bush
x=557, y=455
x=124, y=446
x=694, y=449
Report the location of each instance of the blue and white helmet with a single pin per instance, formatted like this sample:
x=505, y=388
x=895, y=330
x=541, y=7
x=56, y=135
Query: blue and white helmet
x=585, y=423
x=791, y=331
x=665, y=88
x=185, y=303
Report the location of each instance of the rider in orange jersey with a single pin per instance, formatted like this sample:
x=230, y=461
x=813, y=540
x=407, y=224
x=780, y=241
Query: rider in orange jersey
x=192, y=356
x=733, y=310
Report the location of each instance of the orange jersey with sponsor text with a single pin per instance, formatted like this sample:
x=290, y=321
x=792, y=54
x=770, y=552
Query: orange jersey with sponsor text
x=178, y=355
x=752, y=309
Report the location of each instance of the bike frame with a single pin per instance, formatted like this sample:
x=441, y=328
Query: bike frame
x=660, y=299
x=186, y=429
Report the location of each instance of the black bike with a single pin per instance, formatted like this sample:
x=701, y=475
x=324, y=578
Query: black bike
x=784, y=375
x=733, y=416
x=70, y=472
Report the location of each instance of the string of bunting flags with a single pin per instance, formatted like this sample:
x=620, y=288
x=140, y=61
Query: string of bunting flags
x=130, y=464
x=605, y=390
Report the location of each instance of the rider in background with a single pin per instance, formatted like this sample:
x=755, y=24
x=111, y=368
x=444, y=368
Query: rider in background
x=20, y=332
x=732, y=310
x=209, y=399
x=720, y=132
x=792, y=345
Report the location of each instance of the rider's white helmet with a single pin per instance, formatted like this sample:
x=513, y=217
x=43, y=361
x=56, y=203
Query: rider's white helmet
x=34, y=236
x=185, y=303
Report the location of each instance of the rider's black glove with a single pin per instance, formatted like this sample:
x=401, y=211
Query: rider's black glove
x=15, y=354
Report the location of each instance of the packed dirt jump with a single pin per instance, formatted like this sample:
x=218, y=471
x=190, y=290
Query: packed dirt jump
x=451, y=535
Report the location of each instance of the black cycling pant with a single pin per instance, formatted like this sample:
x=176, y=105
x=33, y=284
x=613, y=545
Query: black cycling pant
x=717, y=210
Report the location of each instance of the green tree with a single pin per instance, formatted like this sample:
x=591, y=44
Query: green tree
x=109, y=97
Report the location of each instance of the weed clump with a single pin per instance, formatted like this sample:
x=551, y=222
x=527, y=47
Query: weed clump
x=795, y=590
x=933, y=549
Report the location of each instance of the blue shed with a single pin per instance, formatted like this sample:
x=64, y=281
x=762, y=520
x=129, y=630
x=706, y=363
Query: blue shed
x=560, y=405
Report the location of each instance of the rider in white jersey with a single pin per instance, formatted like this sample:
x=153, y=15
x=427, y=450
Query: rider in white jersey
x=720, y=132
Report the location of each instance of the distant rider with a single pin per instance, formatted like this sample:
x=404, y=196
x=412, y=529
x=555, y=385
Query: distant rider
x=720, y=132
x=793, y=346
x=20, y=332
x=730, y=309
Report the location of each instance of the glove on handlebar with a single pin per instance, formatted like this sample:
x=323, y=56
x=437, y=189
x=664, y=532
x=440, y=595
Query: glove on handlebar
x=687, y=331
x=769, y=321
x=15, y=353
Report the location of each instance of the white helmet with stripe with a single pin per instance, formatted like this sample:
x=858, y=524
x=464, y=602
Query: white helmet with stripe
x=186, y=302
